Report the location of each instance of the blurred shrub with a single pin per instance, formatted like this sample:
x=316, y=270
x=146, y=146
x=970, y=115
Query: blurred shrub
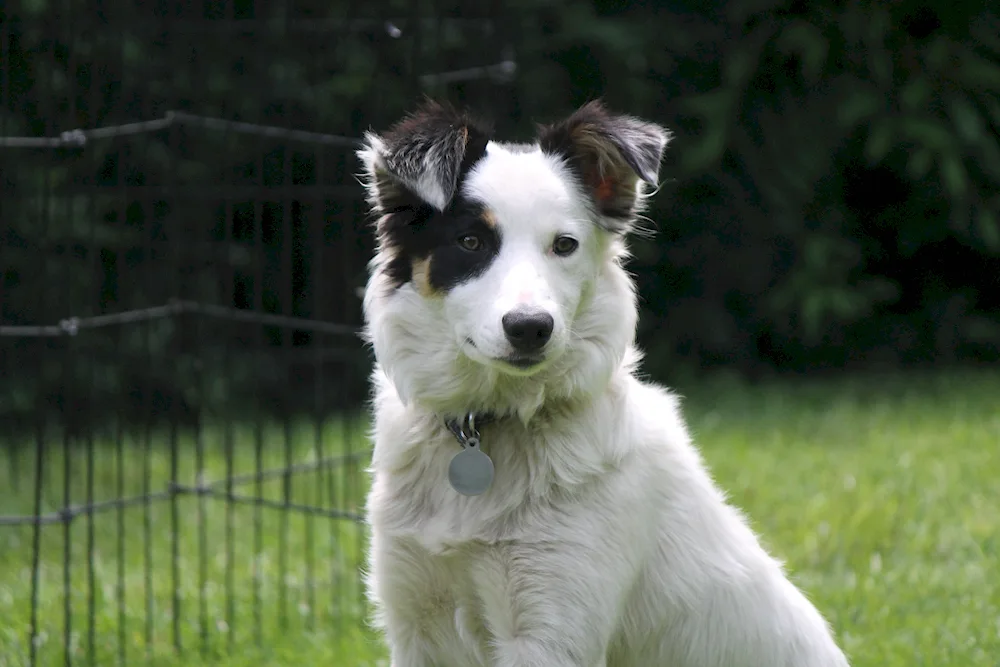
x=835, y=194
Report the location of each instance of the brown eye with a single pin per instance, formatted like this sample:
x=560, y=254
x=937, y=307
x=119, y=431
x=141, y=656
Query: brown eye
x=471, y=242
x=565, y=245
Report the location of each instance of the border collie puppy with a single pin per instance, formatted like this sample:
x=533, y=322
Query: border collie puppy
x=534, y=503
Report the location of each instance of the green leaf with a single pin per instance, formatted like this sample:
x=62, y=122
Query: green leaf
x=880, y=139
x=967, y=120
x=880, y=64
x=988, y=229
x=919, y=163
x=812, y=314
x=953, y=175
x=979, y=329
x=977, y=73
x=738, y=67
x=845, y=304
x=132, y=51
x=706, y=151
x=711, y=105
x=915, y=94
x=858, y=105
x=929, y=132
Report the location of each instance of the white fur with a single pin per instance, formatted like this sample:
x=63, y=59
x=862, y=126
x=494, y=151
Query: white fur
x=602, y=541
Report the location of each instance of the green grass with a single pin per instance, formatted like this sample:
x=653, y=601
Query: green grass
x=882, y=495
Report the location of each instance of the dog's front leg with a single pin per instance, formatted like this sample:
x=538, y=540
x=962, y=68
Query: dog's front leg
x=412, y=603
x=551, y=605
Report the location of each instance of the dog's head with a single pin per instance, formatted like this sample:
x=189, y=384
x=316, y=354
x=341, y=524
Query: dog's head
x=497, y=279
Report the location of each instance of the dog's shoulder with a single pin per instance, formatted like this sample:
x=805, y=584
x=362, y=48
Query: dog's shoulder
x=653, y=413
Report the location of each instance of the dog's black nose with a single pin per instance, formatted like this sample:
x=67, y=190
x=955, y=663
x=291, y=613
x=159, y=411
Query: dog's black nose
x=528, y=330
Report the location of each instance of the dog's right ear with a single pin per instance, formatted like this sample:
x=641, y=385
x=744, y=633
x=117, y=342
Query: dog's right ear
x=422, y=157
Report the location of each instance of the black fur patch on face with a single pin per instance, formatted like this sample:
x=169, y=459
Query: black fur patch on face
x=609, y=154
x=415, y=169
x=425, y=245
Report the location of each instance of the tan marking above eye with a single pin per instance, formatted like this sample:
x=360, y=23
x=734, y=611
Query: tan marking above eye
x=490, y=218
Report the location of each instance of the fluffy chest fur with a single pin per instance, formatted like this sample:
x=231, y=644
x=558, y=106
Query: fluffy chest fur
x=574, y=482
x=565, y=454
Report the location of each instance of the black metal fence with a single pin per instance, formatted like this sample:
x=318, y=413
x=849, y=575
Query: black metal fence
x=144, y=443
x=182, y=245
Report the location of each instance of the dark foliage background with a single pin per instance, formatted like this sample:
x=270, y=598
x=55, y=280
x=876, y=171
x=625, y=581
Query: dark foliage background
x=831, y=200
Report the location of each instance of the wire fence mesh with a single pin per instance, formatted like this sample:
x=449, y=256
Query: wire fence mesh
x=169, y=515
x=181, y=379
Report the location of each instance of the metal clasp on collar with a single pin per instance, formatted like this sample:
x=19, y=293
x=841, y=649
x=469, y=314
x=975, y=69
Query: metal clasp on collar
x=465, y=432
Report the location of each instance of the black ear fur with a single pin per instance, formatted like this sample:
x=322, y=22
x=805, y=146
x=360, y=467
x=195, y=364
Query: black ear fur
x=610, y=154
x=424, y=155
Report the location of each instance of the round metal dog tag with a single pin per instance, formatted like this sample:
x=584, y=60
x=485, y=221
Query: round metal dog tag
x=471, y=471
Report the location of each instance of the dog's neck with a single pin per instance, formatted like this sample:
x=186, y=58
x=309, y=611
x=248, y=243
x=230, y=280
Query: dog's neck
x=508, y=405
x=548, y=404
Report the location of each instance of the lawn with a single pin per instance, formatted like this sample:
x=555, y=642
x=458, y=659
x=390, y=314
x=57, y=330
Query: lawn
x=880, y=494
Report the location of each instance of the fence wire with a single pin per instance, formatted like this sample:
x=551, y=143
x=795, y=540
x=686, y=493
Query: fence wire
x=79, y=138
x=71, y=326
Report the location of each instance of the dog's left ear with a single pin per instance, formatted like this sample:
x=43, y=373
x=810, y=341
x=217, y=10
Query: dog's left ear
x=422, y=156
x=612, y=155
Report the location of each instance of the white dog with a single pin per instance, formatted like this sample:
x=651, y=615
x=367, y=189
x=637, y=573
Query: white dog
x=535, y=504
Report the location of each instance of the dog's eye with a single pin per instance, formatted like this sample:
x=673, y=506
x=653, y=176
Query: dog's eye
x=471, y=242
x=565, y=245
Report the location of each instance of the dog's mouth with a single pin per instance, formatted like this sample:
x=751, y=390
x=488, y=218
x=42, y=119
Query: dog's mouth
x=522, y=363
